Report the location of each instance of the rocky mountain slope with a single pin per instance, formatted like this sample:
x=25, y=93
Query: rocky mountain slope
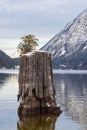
x=6, y=61
x=69, y=47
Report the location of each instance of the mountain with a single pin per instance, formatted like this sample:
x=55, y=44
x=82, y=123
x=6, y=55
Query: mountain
x=6, y=61
x=69, y=47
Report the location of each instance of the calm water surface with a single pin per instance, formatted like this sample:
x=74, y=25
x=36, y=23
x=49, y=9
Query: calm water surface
x=71, y=95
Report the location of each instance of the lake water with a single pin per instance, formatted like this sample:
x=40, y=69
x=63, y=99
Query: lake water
x=71, y=95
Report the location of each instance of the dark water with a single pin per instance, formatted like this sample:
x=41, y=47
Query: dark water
x=71, y=95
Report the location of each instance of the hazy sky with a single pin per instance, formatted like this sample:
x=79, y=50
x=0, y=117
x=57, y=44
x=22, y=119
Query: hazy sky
x=43, y=18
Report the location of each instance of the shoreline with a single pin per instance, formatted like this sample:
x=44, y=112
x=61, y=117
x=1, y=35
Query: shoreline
x=9, y=71
x=55, y=71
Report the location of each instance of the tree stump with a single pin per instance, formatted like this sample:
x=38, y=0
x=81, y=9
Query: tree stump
x=36, y=90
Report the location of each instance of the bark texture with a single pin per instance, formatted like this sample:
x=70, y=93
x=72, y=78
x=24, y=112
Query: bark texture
x=36, y=89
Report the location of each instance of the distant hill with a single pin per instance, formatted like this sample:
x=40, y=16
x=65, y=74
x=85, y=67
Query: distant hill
x=6, y=61
x=69, y=47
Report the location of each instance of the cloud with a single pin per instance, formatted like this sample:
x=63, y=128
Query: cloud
x=39, y=6
x=30, y=5
x=9, y=43
x=43, y=18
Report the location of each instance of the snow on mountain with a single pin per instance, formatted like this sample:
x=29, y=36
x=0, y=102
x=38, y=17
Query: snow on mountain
x=69, y=47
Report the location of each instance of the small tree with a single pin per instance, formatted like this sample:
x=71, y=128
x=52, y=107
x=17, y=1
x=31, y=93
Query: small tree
x=28, y=43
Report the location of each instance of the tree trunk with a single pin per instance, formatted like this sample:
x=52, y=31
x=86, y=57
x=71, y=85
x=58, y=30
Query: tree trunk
x=36, y=89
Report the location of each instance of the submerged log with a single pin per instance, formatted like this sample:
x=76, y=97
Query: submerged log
x=36, y=89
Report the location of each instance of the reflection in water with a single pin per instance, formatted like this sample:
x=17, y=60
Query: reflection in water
x=3, y=78
x=8, y=101
x=37, y=123
x=71, y=94
x=8, y=87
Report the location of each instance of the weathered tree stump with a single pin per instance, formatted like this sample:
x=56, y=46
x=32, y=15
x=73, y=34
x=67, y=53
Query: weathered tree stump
x=36, y=90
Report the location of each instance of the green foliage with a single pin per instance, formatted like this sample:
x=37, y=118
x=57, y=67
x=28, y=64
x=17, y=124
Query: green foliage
x=28, y=43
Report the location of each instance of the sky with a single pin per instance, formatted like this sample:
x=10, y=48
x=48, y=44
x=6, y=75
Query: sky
x=42, y=18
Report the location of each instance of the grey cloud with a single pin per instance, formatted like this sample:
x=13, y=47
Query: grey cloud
x=41, y=17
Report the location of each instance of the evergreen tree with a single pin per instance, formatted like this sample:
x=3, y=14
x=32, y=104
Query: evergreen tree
x=28, y=43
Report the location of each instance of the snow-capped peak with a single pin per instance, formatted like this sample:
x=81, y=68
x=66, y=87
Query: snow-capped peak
x=70, y=40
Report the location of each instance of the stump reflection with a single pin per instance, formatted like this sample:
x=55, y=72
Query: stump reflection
x=37, y=123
